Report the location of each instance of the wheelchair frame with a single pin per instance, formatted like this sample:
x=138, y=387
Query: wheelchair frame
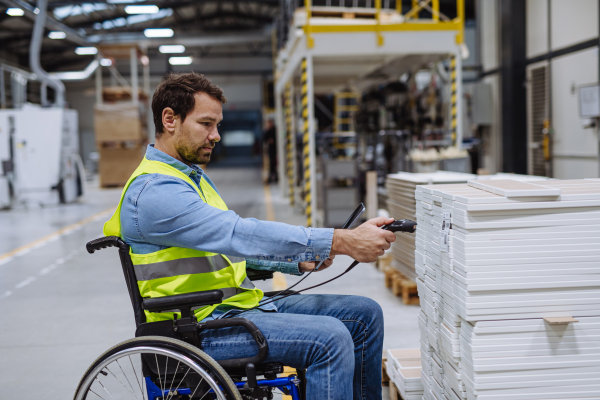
x=188, y=329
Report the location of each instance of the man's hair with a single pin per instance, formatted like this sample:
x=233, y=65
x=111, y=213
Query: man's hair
x=177, y=91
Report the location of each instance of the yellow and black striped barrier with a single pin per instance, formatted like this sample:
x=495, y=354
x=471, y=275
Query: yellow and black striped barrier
x=290, y=141
x=453, y=97
x=305, y=147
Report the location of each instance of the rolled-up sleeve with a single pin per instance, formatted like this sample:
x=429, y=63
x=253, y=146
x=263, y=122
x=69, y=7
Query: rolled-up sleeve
x=275, y=266
x=169, y=212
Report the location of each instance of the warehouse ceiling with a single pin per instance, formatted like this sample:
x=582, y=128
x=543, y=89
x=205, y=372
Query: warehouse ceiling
x=213, y=26
x=223, y=29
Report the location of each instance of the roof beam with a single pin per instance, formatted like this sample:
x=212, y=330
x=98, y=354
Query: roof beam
x=51, y=23
x=189, y=41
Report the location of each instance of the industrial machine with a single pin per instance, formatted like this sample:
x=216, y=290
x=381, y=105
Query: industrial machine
x=41, y=162
x=39, y=144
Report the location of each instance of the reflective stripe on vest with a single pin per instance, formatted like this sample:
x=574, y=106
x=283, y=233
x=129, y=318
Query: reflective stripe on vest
x=177, y=270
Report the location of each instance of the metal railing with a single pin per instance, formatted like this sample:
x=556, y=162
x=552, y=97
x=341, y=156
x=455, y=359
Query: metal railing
x=420, y=15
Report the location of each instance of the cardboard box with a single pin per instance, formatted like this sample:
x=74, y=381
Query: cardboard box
x=118, y=122
x=118, y=163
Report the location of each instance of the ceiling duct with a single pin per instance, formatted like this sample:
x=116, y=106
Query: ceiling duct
x=34, y=56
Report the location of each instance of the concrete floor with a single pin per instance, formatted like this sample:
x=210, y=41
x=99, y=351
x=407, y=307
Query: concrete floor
x=63, y=307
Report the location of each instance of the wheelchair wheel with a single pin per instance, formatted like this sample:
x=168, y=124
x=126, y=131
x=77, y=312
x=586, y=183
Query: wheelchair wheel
x=153, y=368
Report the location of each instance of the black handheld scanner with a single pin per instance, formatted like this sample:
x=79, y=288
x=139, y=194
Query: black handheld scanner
x=401, y=225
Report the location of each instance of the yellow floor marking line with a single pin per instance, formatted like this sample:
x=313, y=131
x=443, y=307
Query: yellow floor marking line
x=279, y=280
x=53, y=236
x=269, y=204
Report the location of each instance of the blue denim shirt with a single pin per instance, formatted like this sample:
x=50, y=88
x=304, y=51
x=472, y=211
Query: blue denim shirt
x=161, y=211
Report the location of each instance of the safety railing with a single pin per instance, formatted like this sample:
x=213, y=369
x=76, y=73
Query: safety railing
x=387, y=15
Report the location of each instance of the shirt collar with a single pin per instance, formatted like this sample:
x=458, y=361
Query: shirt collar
x=154, y=154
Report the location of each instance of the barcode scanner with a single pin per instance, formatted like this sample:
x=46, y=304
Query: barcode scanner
x=401, y=225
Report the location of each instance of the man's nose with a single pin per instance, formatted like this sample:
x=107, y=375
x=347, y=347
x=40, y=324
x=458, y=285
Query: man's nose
x=214, y=136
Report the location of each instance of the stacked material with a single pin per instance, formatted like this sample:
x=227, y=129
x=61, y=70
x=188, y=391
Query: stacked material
x=121, y=140
x=404, y=369
x=509, y=281
x=401, y=204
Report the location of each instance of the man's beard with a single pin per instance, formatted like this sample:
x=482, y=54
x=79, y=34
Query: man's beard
x=194, y=157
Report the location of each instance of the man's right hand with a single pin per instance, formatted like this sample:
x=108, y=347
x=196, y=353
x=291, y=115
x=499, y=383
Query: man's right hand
x=364, y=243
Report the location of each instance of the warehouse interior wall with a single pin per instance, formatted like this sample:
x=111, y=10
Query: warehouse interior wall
x=556, y=25
x=487, y=26
x=561, y=35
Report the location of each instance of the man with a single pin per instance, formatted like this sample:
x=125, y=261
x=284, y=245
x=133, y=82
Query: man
x=183, y=239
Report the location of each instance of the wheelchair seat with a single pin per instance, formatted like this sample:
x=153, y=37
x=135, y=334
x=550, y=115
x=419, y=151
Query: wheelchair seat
x=187, y=328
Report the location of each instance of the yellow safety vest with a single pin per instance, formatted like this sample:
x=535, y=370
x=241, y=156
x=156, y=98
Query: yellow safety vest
x=178, y=270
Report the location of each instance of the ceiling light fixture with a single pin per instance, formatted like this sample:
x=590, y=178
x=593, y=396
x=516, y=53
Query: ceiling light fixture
x=15, y=12
x=57, y=35
x=106, y=62
x=158, y=32
x=180, y=60
x=141, y=9
x=174, y=48
x=84, y=51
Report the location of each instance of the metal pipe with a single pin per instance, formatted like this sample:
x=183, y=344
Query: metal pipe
x=44, y=95
x=98, y=83
x=77, y=75
x=34, y=55
x=134, y=75
x=2, y=89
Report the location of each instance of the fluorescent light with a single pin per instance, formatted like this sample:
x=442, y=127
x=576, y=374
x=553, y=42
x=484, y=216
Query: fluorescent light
x=158, y=32
x=15, y=12
x=180, y=60
x=141, y=9
x=86, y=50
x=106, y=62
x=174, y=48
x=57, y=35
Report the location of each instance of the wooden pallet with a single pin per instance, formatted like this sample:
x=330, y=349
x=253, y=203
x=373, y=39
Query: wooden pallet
x=402, y=286
x=385, y=379
x=394, y=392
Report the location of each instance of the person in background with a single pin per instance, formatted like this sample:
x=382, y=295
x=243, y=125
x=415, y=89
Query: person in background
x=269, y=138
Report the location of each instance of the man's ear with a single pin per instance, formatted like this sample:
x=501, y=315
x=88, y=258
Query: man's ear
x=169, y=119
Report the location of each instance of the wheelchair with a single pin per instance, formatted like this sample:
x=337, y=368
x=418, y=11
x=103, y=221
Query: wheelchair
x=165, y=360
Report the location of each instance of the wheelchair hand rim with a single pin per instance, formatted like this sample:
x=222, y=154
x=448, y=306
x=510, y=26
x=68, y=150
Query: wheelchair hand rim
x=153, y=350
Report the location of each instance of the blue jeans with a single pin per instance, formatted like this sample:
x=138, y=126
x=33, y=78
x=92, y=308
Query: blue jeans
x=338, y=339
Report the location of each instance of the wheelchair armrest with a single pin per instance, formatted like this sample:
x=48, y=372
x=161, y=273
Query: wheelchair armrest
x=258, y=274
x=261, y=341
x=102, y=243
x=183, y=302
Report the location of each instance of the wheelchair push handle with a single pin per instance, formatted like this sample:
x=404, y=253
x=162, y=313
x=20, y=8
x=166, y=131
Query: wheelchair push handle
x=102, y=243
x=261, y=341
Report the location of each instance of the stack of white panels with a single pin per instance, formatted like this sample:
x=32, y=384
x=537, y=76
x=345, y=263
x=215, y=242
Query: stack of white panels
x=439, y=323
x=401, y=205
x=404, y=369
x=514, y=254
x=531, y=359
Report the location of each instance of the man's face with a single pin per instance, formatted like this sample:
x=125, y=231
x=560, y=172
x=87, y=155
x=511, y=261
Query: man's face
x=195, y=137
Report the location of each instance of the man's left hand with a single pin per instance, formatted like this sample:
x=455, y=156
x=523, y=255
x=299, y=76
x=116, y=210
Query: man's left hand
x=308, y=266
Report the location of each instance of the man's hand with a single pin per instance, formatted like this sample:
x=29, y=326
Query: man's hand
x=364, y=243
x=308, y=266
